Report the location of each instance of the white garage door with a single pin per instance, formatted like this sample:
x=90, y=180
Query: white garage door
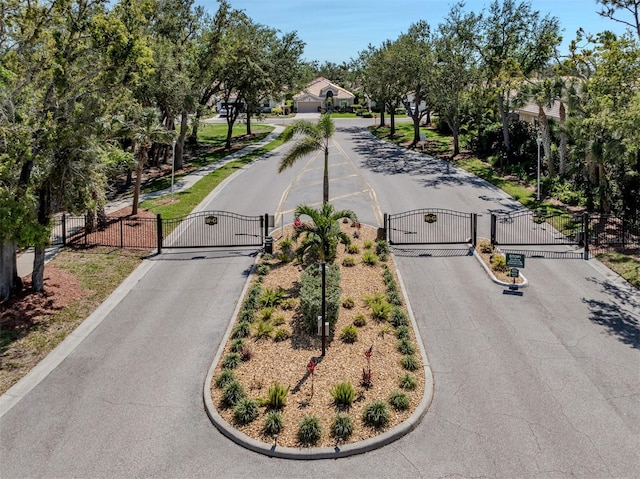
x=308, y=106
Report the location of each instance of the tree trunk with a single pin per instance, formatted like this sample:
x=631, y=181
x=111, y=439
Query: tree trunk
x=103, y=220
x=505, y=130
x=455, y=131
x=563, y=142
x=178, y=161
x=230, y=122
x=382, y=118
x=248, y=122
x=37, y=276
x=10, y=282
x=136, y=188
x=325, y=178
x=545, y=134
x=195, y=124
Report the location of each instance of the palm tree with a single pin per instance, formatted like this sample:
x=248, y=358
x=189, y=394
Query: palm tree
x=315, y=138
x=322, y=235
x=144, y=131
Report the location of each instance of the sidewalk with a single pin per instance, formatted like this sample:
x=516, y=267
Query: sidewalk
x=25, y=260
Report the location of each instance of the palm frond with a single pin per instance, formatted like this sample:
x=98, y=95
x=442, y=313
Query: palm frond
x=302, y=147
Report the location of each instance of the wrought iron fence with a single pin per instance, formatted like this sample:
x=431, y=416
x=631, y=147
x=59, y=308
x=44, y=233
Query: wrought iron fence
x=431, y=226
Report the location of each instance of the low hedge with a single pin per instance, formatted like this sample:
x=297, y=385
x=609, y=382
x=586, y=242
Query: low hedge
x=311, y=295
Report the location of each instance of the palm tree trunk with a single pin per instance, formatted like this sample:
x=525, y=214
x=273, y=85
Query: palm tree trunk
x=325, y=179
x=563, y=141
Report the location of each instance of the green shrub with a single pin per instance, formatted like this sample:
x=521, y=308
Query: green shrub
x=392, y=286
x=241, y=330
x=499, y=263
x=278, y=320
x=311, y=295
x=369, y=258
x=263, y=269
x=236, y=345
x=280, y=335
x=384, y=330
x=348, y=302
x=349, y=334
x=273, y=423
x=399, y=401
x=309, y=430
x=394, y=298
x=343, y=394
x=232, y=393
x=276, y=397
x=383, y=257
x=286, y=246
x=376, y=414
x=225, y=377
x=263, y=329
x=271, y=297
x=288, y=304
x=267, y=257
x=368, y=244
x=359, y=320
x=408, y=382
x=380, y=311
x=231, y=361
x=247, y=315
x=367, y=114
x=353, y=249
x=265, y=313
x=402, y=332
x=342, y=426
x=398, y=317
x=485, y=247
x=382, y=247
x=405, y=346
x=410, y=362
x=245, y=411
x=349, y=261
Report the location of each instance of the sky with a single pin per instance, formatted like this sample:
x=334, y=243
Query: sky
x=337, y=30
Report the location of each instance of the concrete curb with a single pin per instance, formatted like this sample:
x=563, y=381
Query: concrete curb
x=273, y=450
x=524, y=283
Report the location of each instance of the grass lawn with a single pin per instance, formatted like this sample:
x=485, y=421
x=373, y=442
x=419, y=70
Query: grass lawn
x=624, y=265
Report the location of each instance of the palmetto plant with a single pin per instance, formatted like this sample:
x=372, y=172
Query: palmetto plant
x=322, y=235
x=314, y=137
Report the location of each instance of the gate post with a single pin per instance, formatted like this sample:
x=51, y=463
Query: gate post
x=159, y=232
x=585, y=228
x=265, y=223
x=64, y=229
x=385, y=224
x=121, y=232
x=474, y=229
x=494, y=222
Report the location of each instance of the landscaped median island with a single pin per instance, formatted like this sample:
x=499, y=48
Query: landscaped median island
x=271, y=382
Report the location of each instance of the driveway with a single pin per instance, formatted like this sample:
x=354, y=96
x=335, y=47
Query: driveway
x=540, y=385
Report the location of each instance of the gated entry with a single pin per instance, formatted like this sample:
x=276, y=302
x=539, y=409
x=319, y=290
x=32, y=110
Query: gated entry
x=431, y=226
x=526, y=228
x=213, y=229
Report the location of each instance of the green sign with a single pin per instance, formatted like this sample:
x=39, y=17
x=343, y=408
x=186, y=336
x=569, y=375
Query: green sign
x=514, y=273
x=515, y=260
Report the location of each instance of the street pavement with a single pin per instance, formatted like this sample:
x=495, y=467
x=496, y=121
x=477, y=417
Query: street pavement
x=542, y=384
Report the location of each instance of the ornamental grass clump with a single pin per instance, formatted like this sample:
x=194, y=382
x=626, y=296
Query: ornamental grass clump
x=237, y=345
x=348, y=261
x=343, y=394
x=280, y=335
x=499, y=263
x=245, y=411
x=263, y=329
x=349, y=334
x=225, y=377
x=402, y=332
x=410, y=362
x=369, y=258
x=231, y=361
x=408, y=382
x=376, y=414
x=271, y=297
x=398, y=317
x=399, y=401
x=359, y=320
x=348, y=302
x=342, y=426
x=276, y=397
x=273, y=424
x=309, y=431
x=232, y=393
x=405, y=346
x=241, y=330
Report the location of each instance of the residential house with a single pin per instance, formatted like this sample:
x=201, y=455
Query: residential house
x=322, y=94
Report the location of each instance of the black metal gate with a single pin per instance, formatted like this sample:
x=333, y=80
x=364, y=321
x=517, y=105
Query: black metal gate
x=431, y=226
x=213, y=229
x=528, y=228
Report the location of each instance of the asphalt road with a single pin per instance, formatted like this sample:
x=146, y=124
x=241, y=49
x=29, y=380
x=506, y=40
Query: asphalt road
x=545, y=384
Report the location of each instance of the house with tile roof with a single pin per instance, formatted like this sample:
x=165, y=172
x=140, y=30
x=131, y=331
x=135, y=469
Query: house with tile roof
x=322, y=94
